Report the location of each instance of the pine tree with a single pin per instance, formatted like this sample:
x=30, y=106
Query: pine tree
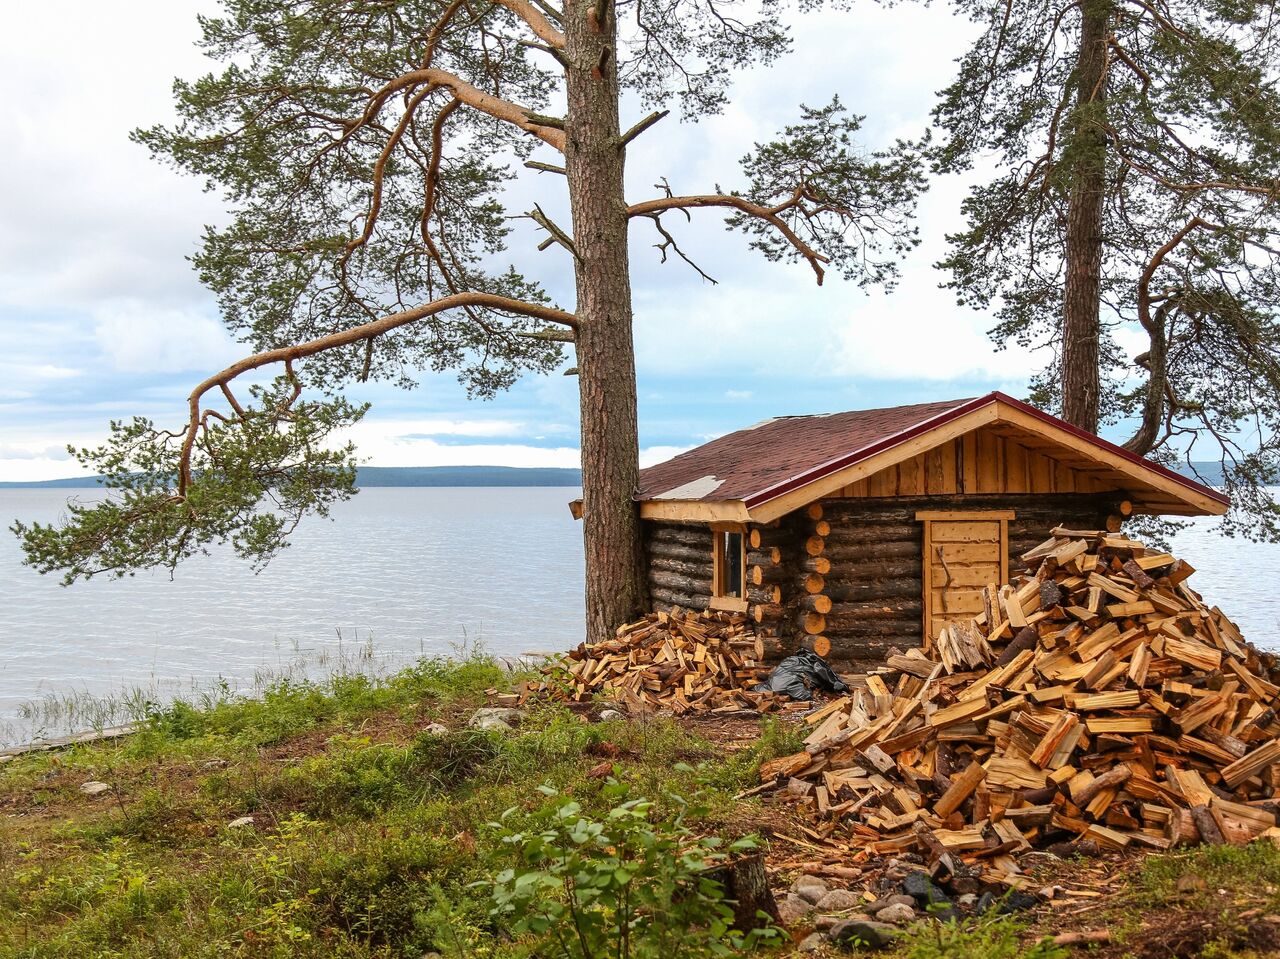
x=1137, y=153
x=366, y=148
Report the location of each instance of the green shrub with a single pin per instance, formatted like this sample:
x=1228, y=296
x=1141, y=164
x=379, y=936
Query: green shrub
x=616, y=887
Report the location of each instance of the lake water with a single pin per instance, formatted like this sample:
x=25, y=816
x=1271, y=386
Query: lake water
x=399, y=573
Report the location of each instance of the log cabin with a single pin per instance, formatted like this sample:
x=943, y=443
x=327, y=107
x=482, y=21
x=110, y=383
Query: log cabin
x=852, y=533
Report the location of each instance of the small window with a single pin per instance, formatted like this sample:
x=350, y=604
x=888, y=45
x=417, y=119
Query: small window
x=730, y=565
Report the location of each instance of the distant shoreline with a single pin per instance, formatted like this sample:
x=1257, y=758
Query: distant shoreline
x=402, y=476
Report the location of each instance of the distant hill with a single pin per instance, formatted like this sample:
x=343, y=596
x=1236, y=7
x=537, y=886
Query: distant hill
x=1209, y=472
x=399, y=476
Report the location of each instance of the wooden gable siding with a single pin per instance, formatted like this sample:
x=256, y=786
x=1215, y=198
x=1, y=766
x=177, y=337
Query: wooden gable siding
x=983, y=461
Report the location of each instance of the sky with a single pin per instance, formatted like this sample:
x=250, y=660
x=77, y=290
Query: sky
x=102, y=317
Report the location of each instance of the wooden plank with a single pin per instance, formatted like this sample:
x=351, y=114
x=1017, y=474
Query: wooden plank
x=965, y=531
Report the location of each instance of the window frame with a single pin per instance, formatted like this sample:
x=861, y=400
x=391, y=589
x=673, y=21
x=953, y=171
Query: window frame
x=719, y=600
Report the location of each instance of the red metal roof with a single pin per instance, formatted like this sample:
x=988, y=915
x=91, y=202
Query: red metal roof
x=763, y=462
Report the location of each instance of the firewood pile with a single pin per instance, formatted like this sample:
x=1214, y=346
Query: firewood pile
x=1095, y=699
x=683, y=661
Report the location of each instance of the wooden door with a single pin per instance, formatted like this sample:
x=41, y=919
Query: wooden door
x=963, y=552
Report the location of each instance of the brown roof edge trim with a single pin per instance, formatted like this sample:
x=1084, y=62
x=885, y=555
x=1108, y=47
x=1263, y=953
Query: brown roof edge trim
x=849, y=459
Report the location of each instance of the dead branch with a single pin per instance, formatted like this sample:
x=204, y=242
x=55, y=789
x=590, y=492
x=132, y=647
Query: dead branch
x=766, y=213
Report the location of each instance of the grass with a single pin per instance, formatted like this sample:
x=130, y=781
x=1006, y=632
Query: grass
x=374, y=838
x=369, y=835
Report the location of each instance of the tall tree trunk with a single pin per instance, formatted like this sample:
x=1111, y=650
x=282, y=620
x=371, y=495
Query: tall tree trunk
x=606, y=359
x=1082, y=292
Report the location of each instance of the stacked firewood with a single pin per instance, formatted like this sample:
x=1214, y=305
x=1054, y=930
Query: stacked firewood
x=681, y=660
x=1095, y=699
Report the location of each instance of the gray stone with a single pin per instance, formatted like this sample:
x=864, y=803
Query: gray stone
x=244, y=822
x=94, y=788
x=492, y=724
x=863, y=932
x=611, y=715
x=810, y=887
x=436, y=729
x=503, y=714
x=812, y=942
x=791, y=908
x=897, y=898
x=898, y=914
x=840, y=900
x=967, y=901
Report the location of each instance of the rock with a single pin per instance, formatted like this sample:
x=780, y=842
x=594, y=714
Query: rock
x=611, y=716
x=839, y=900
x=436, y=729
x=812, y=942
x=94, y=788
x=863, y=932
x=967, y=901
x=244, y=822
x=824, y=923
x=213, y=764
x=810, y=888
x=1014, y=901
x=792, y=908
x=895, y=899
x=492, y=724
x=898, y=914
x=928, y=897
x=920, y=887
x=487, y=717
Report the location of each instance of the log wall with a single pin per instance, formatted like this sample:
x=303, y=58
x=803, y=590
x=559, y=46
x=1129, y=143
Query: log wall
x=679, y=564
x=874, y=547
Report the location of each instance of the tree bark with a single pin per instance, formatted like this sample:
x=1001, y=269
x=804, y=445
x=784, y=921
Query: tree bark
x=615, y=584
x=1082, y=291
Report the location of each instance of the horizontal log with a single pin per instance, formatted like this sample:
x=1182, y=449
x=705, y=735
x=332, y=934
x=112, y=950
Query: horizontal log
x=872, y=551
x=813, y=623
x=765, y=557
x=769, y=595
x=875, y=533
x=816, y=564
x=696, y=586
x=871, y=570
x=815, y=545
x=760, y=575
x=846, y=614
x=821, y=528
x=764, y=536
x=903, y=509
x=904, y=630
x=816, y=604
x=816, y=644
x=663, y=598
x=681, y=551
x=892, y=589
x=766, y=612
x=688, y=535
x=684, y=567
x=812, y=582
x=814, y=511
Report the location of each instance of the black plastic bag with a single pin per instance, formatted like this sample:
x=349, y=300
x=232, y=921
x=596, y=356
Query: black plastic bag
x=796, y=675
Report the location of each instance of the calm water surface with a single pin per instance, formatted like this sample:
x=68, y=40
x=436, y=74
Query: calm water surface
x=399, y=573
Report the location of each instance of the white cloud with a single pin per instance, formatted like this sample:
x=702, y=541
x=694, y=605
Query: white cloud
x=660, y=454
x=138, y=338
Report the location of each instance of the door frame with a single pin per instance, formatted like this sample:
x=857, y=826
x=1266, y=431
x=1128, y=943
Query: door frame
x=928, y=517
